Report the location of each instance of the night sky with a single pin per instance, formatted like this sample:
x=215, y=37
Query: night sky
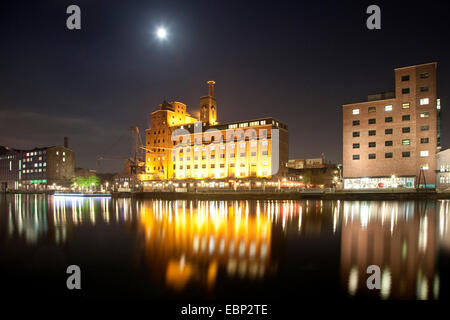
x=297, y=61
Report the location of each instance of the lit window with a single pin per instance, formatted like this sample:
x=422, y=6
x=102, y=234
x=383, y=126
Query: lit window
x=406, y=142
x=424, y=153
x=388, y=107
x=355, y=111
x=424, y=114
x=424, y=166
x=405, y=105
x=424, y=101
x=372, y=109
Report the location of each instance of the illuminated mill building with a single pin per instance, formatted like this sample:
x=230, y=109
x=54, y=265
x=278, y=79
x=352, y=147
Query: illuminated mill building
x=180, y=146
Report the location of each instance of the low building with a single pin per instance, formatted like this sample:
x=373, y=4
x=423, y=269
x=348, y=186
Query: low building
x=36, y=169
x=443, y=170
x=313, y=173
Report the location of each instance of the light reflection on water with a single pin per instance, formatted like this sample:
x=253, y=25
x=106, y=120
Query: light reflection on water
x=204, y=243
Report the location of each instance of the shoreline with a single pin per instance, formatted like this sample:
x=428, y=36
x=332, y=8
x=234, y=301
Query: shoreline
x=295, y=195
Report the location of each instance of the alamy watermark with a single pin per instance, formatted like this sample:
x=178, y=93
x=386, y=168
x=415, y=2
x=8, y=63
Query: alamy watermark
x=232, y=145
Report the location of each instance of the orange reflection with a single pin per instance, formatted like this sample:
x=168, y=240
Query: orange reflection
x=194, y=241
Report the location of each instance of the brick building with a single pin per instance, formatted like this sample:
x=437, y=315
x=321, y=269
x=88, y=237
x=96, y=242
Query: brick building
x=205, y=149
x=36, y=168
x=388, y=139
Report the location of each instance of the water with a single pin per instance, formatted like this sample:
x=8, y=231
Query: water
x=175, y=250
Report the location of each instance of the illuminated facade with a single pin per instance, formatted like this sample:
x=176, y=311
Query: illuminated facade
x=179, y=146
x=389, y=139
x=36, y=168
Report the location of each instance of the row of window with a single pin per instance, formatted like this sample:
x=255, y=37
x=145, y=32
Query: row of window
x=34, y=170
x=389, y=155
x=212, y=166
x=222, y=156
x=389, y=107
x=424, y=75
x=357, y=134
x=422, y=89
x=405, y=117
x=389, y=143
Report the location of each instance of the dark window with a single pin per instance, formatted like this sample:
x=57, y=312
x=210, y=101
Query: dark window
x=388, y=155
x=406, y=129
x=372, y=156
x=204, y=166
x=424, y=89
x=372, y=132
x=222, y=165
x=405, y=90
x=388, y=131
x=372, y=121
x=355, y=145
x=356, y=122
x=253, y=154
x=356, y=157
x=424, y=140
x=388, y=143
x=372, y=109
x=388, y=119
x=424, y=75
x=405, y=78
x=406, y=154
x=356, y=134
x=406, y=117
x=372, y=144
x=242, y=154
x=425, y=128
x=213, y=166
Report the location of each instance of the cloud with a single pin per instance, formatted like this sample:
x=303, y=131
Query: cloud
x=88, y=137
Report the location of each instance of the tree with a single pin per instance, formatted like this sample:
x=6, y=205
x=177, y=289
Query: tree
x=85, y=182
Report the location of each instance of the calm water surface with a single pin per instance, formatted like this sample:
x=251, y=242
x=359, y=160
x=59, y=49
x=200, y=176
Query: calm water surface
x=161, y=249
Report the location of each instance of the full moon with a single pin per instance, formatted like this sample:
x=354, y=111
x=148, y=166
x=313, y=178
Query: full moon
x=161, y=33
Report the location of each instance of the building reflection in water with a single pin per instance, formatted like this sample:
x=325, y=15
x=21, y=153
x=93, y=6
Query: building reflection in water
x=193, y=240
x=399, y=237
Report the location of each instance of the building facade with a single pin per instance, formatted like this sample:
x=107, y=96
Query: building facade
x=179, y=146
x=443, y=170
x=391, y=140
x=36, y=168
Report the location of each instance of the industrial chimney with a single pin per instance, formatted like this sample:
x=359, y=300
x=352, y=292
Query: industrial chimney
x=66, y=142
x=211, y=88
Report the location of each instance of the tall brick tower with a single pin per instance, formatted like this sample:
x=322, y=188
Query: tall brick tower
x=208, y=106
